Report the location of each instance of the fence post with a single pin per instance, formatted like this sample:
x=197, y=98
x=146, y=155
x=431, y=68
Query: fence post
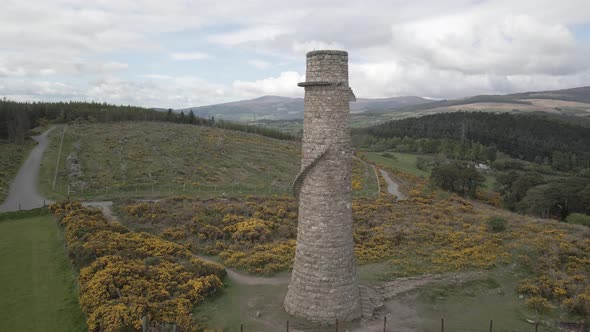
x=536, y=326
x=287, y=325
x=241, y=327
x=336, y=325
x=384, y=323
x=491, y=324
x=183, y=186
x=442, y=324
x=19, y=206
x=144, y=325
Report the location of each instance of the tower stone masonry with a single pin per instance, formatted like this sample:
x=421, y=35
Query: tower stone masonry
x=324, y=283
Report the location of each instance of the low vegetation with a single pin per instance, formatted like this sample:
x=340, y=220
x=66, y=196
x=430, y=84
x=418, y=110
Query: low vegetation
x=428, y=233
x=146, y=158
x=36, y=280
x=578, y=218
x=125, y=276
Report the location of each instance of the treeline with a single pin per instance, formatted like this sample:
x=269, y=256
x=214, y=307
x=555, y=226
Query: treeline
x=449, y=148
x=17, y=118
x=526, y=137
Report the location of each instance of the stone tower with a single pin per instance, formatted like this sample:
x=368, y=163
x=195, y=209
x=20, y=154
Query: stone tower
x=324, y=280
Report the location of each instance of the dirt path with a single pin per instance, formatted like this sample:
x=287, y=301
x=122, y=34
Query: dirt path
x=23, y=189
x=239, y=278
x=105, y=206
x=392, y=186
x=250, y=280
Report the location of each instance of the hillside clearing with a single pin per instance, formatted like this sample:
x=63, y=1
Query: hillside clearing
x=36, y=280
x=147, y=159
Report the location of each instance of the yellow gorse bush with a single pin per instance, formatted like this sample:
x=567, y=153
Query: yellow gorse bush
x=427, y=233
x=125, y=276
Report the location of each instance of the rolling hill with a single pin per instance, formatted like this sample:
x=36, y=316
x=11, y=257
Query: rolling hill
x=286, y=114
x=156, y=159
x=285, y=108
x=574, y=102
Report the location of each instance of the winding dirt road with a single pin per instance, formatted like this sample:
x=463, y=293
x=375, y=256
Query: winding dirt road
x=392, y=186
x=23, y=193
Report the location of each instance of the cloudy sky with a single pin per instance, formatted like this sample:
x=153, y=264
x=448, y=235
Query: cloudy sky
x=181, y=53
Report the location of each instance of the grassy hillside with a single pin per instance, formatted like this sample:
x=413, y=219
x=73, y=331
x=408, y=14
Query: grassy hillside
x=128, y=157
x=146, y=159
x=36, y=281
x=11, y=158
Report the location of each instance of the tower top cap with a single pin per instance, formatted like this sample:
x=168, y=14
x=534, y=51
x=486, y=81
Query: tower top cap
x=326, y=52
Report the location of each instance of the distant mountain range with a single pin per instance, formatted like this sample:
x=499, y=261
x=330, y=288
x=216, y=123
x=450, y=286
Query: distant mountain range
x=285, y=108
x=367, y=111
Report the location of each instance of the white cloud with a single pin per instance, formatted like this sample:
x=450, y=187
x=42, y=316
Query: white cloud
x=251, y=34
x=189, y=56
x=470, y=43
x=283, y=85
x=260, y=64
x=310, y=45
x=157, y=76
x=442, y=49
x=47, y=63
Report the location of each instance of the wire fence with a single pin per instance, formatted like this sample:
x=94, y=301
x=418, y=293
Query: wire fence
x=388, y=326
x=155, y=190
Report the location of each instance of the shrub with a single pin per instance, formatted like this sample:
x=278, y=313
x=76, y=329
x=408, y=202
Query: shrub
x=388, y=155
x=496, y=224
x=124, y=275
x=421, y=163
x=578, y=218
x=538, y=303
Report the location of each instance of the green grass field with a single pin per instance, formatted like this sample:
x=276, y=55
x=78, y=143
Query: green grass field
x=406, y=162
x=36, y=281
